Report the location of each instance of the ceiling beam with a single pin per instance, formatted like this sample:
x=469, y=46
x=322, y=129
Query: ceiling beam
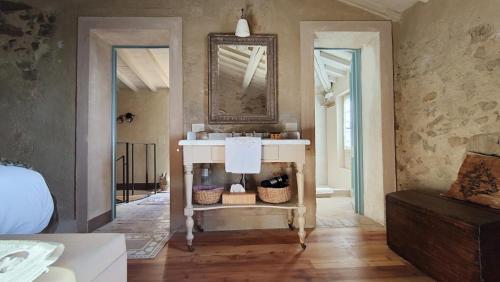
x=319, y=68
x=336, y=61
x=335, y=71
x=134, y=66
x=254, y=62
x=123, y=78
x=374, y=8
x=160, y=69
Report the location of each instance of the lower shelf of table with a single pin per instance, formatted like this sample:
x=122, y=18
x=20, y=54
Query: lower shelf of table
x=293, y=204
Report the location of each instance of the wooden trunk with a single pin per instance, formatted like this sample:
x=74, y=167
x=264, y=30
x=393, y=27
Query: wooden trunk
x=445, y=238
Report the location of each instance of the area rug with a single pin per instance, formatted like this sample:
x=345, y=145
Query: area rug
x=131, y=198
x=145, y=246
x=146, y=227
x=158, y=199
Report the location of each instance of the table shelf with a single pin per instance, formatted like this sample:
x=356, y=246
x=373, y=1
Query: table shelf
x=292, y=204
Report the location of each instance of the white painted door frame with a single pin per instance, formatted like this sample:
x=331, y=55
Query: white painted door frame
x=86, y=155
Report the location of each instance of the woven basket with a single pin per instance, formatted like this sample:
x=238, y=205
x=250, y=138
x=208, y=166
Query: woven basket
x=208, y=197
x=275, y=195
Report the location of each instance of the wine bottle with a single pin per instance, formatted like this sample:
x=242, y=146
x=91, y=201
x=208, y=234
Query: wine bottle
x=276, y=182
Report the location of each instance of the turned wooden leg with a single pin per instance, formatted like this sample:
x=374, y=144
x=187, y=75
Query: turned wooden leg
x=199, y=221
x=290, y=219
x=188, y=210
x=301, y=209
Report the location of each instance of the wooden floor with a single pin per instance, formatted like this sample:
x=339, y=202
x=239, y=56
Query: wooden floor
x=332, y=254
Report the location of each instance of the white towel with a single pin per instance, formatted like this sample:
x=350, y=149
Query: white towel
x=243, y=154
x=237, y=188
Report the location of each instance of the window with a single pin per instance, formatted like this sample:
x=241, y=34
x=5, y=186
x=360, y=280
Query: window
x=347, y=122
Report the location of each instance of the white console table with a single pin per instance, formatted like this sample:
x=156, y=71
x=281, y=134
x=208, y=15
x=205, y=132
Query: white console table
x=213, y=151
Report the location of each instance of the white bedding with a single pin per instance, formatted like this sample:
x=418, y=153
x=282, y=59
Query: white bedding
x=26, y=205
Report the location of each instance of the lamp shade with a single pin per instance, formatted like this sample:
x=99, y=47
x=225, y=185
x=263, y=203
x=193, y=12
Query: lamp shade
x=242, y=29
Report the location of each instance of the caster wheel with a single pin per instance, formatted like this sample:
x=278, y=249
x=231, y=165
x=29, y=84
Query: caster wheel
x=191, y=248
x=303, y=246
x=290, y=226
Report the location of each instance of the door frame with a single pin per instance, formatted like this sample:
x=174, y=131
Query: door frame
x=86, y=29
x=378, y=160
x=357, y=175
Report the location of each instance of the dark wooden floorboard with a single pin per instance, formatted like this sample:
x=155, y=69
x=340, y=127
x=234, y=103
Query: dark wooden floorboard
x=332, y=254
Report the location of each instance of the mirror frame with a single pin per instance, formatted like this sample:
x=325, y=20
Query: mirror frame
x=268, y=40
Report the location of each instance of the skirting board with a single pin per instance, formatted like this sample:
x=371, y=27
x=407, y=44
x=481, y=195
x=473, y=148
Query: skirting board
x=99, y=221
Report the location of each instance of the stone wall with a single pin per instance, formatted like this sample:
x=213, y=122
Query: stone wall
x=448, y=87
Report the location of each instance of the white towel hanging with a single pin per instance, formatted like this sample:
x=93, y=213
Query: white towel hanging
x=243, y=154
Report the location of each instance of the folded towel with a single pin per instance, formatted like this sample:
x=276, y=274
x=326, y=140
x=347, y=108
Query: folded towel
x=243, y=154
x=237, y=188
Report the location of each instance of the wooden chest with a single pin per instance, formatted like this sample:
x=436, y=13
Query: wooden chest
x=445, y=238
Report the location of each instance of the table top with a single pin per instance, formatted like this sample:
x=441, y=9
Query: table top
x=264, y=142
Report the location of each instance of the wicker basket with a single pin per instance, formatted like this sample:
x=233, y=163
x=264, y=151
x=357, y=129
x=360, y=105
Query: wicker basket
x=275, y=195
x=208, y=197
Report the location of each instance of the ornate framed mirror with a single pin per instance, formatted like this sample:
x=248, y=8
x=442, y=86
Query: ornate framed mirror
x=242, y=79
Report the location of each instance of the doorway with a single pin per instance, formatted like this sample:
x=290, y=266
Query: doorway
x=141, y=194
x=339, y=170
x=101, y=39
x=362, y=169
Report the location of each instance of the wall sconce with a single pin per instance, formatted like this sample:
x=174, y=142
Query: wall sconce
x=242, y=29
x=128, y=117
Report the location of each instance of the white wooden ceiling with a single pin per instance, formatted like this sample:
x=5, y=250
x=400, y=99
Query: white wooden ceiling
x=329, y=65
x=389, y=9
x=248, y=63
x=143, y=68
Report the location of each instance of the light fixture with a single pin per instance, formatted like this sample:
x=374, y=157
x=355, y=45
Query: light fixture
x=128, y=117
x=242, y=29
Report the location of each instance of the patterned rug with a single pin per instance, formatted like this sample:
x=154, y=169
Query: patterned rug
x=145, y=245
x=145, y=225
x=163, y=199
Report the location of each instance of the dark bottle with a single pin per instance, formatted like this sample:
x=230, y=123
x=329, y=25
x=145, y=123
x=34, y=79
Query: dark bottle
x=276, y=182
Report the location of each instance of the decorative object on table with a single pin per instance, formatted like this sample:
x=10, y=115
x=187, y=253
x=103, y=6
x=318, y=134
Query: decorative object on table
x=478, y=181
x=246, y=198
x=275, y=195
x=207, y=194
x=292, y=135
x=202, y=135
x=23, y=260
x=242, y=29
x=237, y=188
x=253, y=87
x=275, y=136
x=191, y=135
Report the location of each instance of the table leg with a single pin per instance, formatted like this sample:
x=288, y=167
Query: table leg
x=290, y=219
x=188, y=210
x=199, y=221
x=301, y=209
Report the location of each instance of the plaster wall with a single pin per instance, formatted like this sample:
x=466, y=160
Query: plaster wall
x=150, y=125
x=39, y=122
x=339, y=177
x=447, y=87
